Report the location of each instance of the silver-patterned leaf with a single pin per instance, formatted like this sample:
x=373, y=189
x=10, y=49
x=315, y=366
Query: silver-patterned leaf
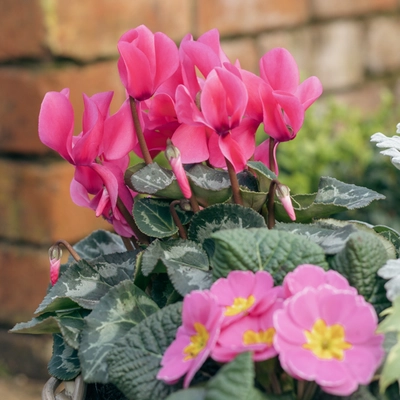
x=64, y=363
x=123, y=307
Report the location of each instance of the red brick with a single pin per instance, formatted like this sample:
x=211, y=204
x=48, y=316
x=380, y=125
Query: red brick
x=24, y=277
x=35, y=204
x=244, y=50
x=22, y=92
x=22, y=29
x=90, y=29
x=383, y=45
x=237, y=16
x=345, y=8
x=338, y=54
x=366, y=99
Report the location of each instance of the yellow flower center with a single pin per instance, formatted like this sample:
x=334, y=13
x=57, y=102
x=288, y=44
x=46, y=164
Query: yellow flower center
x=326, y=342
x=197, y=342
x=253, y=337
x=239, y=305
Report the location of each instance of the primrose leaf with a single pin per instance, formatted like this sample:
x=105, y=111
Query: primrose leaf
x=263, y=250
x=359, y=262
x=134, y=361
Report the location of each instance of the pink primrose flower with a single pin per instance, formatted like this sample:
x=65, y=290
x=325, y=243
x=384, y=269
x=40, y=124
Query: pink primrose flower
x=146, y=61
x=249, y=333
x=195, y=339
x=308, y=275
x=327, y=335
x=244, y=293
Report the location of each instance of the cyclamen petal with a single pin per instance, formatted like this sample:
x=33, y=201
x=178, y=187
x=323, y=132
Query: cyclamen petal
x=56, y=123
x=146, y=61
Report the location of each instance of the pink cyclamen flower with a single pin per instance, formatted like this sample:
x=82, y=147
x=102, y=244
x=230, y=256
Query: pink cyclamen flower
x=146, y=61
x=55, y=254
x=174, y=158
x=284, y=101
x=195, y=339
x=328, y=336
x=99, y=153
x=308, y=275
x=283, y=194
x=217, y=131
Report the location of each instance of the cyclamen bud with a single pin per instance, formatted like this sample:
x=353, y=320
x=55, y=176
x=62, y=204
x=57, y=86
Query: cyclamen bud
x=283, y=194
x=174, y=158
x=55, y=254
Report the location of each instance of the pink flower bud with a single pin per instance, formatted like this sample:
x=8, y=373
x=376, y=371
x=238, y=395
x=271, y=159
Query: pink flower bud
x=283, y=194
x=174, y=158
x=55, y=254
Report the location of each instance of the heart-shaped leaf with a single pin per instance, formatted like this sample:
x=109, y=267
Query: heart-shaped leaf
x=332, y=197
x=123, y=307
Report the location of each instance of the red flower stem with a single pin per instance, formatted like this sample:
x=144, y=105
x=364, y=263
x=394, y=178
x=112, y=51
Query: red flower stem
x=73, y=253
x=276, y=387
x=128, y=243
x=271, y=154
x=194, y=204
x=300, y=389
x=271, y=205
x=138, y=129
x=237, y=198
x=177, y=221
x=131, y=222
x=309, y=392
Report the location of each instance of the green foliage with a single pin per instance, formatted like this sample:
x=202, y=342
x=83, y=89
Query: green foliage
x=135, y=360
x=263, y=250
x=335, y=141
x=391, y=369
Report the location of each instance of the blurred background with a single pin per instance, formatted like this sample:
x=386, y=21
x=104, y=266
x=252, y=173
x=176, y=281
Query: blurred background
x=352, y=46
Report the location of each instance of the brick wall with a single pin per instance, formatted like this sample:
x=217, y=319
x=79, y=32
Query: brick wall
x=352, y=46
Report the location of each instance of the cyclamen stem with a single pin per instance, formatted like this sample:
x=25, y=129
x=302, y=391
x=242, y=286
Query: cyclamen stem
x=271, y=155
x=237, y=198
x=271, y=205
x=73, y=253
x=194, y=204
x=138, y=129
x=177, y=221
x=131, y=222
x=128, y=243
